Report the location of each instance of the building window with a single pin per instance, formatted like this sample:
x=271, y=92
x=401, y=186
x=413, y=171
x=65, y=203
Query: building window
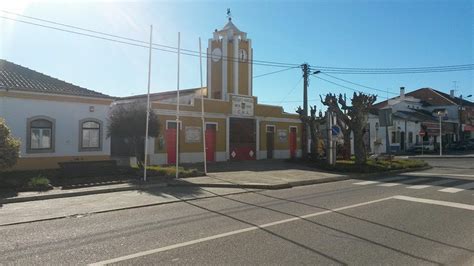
x=410, y=137
x=40, y=134
x=171, y=124
x=394, y=137
x=90, y=136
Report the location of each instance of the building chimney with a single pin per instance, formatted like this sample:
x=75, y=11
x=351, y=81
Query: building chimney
x=451, y=93
x=402, y=92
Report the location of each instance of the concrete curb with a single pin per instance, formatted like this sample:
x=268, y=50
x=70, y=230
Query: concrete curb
x=78, y=193
x=391, y=172
x=318, y=181
x=121, y=209
x=175, y=183
x=180, y=183
x=262, y=186
x=442, y=157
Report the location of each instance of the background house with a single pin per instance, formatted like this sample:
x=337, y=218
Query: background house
x=419, y=110
x=55, y=121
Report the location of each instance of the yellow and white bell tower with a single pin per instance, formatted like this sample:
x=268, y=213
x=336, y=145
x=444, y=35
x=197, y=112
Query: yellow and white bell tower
x=229, y=66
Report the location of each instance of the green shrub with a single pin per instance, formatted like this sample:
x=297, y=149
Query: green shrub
x=349, y=166
x=40, y=183
x=9, y=147
x=19, y=179
x=170, y=171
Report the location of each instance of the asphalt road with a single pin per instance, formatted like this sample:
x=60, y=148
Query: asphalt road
x=412, y=219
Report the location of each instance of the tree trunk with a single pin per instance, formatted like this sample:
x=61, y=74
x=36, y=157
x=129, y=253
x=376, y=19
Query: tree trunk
x=347, y=144
x=312, y=131
x=359, y=148
x=139, y=151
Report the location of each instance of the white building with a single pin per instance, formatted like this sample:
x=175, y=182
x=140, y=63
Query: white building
x=414, y=112
x=55, y=121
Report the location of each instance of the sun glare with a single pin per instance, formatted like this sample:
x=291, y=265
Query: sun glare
x=17, y=6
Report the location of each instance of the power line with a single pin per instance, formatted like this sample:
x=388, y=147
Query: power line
x=400, y=71
x=326, y=69
x=289, y=92
x=163, y=47
x=388, y=69
x=274, y=72
x=337, y=84
x=357, y=84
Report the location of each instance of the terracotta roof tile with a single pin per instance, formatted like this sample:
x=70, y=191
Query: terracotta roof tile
x=16, y=77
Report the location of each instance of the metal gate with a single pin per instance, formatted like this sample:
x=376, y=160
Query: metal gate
x=242, y=139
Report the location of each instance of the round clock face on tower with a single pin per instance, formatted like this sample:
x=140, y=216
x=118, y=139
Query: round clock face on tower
x=242, y=55
x=216, y=55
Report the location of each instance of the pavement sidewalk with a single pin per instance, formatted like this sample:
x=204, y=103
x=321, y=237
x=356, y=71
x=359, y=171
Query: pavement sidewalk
x=39, y=206
x=270, y=174
x=271, y=179
x=76, y=207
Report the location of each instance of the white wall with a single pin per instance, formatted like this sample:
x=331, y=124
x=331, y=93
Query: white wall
x=399, y=125
x=16, y=111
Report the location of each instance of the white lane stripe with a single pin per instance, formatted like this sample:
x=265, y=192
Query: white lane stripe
x=252, y=228
x=366, y=183
x=458, y=188
x=409, y=181
x=437, y=202
x=438, y=174
x=436, y=183
x=389, y=184
x=380, y=180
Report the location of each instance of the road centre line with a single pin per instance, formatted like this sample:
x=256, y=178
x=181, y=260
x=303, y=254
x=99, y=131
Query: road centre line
x=253, y=228
x=436, y=202
x=380, y=180
x=437, y=174
x=458, y=188
x=435, y=183
x=409, y=181
x=235, y=232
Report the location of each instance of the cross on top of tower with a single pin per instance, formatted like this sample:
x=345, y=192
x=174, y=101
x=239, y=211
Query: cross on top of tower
x=229, y=14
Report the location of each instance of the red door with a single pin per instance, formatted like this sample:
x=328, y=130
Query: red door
x=210, y=142
x=171, y=145
x=293, y=142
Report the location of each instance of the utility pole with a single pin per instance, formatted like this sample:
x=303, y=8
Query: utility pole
x=304, y=141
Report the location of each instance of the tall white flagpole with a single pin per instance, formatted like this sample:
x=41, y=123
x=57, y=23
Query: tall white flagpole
x=148, y=104
x=202, y=111
x=177, y=108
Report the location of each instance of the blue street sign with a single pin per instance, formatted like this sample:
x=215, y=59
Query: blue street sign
x=335, y=130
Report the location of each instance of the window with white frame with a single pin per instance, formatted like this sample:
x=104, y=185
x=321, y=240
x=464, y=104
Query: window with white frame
x=90, y=134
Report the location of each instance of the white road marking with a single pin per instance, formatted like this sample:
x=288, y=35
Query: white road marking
x=389, y=184
x=409, y=181
x=366, y=183
x=458, y=188
x=380, y=180
x=435, y=183
x=438, y=174
x=437, y=202
x=251, y=228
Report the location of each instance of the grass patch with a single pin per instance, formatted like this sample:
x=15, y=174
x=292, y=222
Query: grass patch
x=39, y=183
x=170, y=171
x=18, y=180
x=349, y=166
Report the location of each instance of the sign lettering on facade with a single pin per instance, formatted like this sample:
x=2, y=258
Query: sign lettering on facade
x=282, y=135
x=242, y=106
x=193, y=135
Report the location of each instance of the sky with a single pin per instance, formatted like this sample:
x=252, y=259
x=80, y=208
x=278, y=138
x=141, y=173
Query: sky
x=339, y=33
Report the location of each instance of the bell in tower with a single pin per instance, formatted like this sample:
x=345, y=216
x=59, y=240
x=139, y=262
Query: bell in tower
x=229, y=66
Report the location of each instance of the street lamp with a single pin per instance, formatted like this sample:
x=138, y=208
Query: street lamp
x=461, y=135
x=440, y=115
